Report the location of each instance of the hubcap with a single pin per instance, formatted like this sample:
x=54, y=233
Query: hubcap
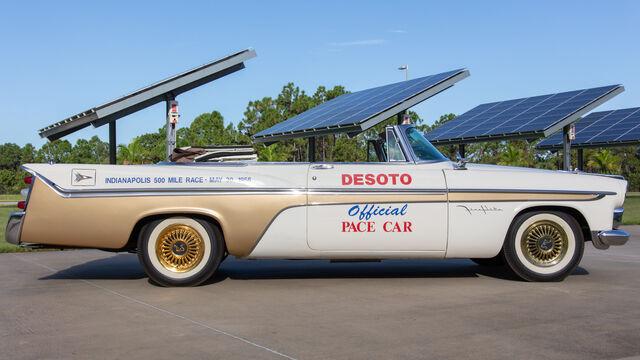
x=544, y=243
x=179, y=248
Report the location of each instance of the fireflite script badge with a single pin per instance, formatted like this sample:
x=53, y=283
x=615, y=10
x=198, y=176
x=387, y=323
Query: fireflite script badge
x=483, y=209
x=83, y=177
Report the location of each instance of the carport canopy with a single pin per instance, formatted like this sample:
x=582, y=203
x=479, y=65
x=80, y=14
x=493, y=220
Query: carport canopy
x=525, y=118
x=164, y=90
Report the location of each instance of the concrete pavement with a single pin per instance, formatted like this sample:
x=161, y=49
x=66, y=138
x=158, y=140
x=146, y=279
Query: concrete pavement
x=92, y=304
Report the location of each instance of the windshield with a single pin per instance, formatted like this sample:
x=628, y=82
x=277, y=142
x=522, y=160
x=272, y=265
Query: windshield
x=421, y=147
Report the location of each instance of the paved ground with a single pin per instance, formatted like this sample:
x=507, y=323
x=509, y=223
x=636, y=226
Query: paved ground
x=92, y=304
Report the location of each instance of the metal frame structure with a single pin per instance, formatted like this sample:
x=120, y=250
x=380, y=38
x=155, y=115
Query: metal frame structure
x=534, y=134
x=364, y=124
x=590, y=144
x=165, y=90
x=563, y=124
x=580, y=146
x=359, y=126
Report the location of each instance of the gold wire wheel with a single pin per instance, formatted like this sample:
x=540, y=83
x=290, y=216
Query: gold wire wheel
x=179, y=248
x=544, y=243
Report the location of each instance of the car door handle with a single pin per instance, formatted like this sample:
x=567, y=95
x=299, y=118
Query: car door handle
x=322, y=167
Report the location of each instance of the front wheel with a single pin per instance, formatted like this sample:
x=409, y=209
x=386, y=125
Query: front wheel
x=544, y=246
x=180, y=251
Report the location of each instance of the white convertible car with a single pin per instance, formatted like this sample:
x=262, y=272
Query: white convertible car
x=411, y=202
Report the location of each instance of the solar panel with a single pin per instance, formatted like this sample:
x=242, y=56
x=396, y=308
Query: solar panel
x=528, y=118
x=358, y=111
x=150, y=95
x=603, y=128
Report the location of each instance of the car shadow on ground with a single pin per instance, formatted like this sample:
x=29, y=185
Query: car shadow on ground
x=127, y=267
x=119, y=267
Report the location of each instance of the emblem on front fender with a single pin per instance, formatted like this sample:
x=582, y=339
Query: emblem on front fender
x=83, y=177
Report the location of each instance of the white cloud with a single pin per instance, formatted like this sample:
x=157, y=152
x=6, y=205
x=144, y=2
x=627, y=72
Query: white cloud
x=397, y=31
x=359, y=43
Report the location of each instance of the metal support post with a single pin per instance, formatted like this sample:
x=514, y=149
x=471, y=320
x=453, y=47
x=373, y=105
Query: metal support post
x=401, y=117
x=566, y=147
x=580, y=160
x=312, y=149
x=171, y=126
x=112, y=142
x=461, y=150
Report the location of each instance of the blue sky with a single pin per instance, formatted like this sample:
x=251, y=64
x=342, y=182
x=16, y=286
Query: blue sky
x=61, y=58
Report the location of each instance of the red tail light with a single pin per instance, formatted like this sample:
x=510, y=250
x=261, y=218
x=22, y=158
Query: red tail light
x=21, y=205
x=28, y=180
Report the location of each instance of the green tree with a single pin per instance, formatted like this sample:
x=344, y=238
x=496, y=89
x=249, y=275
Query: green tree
x=604, y=161
x=209, y=129
x=10, y=156
x=629, y=165
x=513, y=156
x=267, y=112
x=132, y=153
x=271, y=153
x=100, y=150
x=153, y=146
x=58, y=151
x=93, y=151
x=29, y=154
x=11, y=181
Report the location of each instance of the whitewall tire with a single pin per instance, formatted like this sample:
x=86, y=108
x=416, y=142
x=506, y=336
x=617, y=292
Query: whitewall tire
x=180, y=251
x=544, y=245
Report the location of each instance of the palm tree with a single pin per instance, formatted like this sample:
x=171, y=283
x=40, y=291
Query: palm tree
x=132, y=153
x=512, y=156
x=604, y=161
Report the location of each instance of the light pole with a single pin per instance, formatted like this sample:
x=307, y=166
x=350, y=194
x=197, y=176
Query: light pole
x=406, y=68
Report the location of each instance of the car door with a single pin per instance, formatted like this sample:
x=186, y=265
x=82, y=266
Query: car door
x=389, y=206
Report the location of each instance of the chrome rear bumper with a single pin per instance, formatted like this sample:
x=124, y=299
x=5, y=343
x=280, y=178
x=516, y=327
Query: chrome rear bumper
x=603, y=239
x=14, y=228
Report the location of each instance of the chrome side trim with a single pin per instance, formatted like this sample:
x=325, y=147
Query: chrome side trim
x=14, y=227
x=322, y=166
x=579, y=172
x=205, y=163
x=181, y=192
x=564, y=192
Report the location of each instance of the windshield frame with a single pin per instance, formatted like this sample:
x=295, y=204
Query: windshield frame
x=408, y=148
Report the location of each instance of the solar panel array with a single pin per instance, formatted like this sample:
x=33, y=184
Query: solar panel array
x=528, y=118
x=603, y=128
x=358, y=111
x=148, y=96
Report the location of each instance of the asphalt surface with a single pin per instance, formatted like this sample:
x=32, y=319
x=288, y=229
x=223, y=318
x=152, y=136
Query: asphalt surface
x=93, y=304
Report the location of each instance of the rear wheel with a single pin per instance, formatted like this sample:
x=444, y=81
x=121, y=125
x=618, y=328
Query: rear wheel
x=544, y=246
x=180, y=251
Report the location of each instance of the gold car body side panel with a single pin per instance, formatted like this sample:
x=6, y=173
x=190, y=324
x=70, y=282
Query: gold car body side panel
x=107, y=222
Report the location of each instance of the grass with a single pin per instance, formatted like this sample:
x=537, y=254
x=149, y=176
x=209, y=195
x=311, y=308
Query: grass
x=631, y=209
x=11, y=197
x=631, y=216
